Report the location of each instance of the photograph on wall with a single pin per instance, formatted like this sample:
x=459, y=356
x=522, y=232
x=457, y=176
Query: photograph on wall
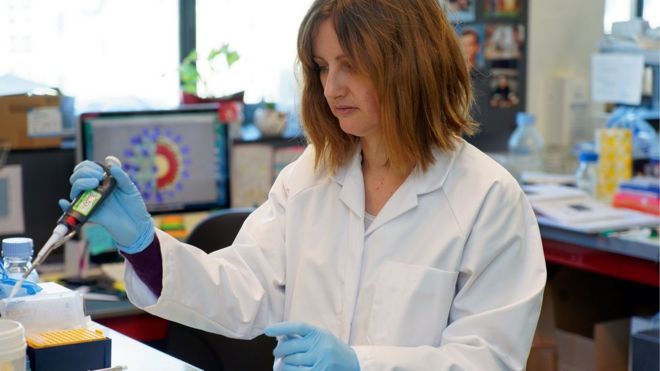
x=504, y=41
x=472, y=39
x=504, y=88
x=251, y=174
x=460, y=10
x=502, y=8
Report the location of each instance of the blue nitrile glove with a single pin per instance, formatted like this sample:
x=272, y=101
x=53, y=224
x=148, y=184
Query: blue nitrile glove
x=306, y=347
x=7, y=285
x=27, y=288
x=123, y=213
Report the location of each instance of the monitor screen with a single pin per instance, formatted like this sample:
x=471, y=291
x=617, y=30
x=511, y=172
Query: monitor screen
x=177, y=158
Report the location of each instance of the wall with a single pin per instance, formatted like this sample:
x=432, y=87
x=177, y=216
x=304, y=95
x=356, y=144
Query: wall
x=562, y=36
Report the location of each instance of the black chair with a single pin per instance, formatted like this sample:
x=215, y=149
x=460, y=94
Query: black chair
x=213, y=352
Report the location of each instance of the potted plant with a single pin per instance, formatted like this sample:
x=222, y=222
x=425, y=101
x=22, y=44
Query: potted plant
x=270, y=121
x=191, y=77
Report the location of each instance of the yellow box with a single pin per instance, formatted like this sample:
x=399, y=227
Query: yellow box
x=614, y=160
x=63, y=337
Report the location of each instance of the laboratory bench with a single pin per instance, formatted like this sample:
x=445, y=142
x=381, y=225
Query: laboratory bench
x=128, y=352
x=598, y=285
x=629, y=260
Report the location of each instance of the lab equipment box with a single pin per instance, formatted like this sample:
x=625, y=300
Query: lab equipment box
x=85, y=356
x=31, y=121
x=645, y=348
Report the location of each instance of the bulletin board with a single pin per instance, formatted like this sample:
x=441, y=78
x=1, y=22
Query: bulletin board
x=493, y=35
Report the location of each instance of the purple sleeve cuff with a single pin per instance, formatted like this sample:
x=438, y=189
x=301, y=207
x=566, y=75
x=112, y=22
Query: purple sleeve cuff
x=148, y=265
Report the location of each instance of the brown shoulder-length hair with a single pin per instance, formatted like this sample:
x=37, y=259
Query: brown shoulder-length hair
x=412, y=55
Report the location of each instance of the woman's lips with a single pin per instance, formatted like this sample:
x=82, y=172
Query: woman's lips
x=344, y=110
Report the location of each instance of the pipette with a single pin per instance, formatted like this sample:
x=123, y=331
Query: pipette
x=74, y=217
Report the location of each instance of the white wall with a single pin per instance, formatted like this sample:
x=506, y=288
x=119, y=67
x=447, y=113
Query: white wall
x=562, y=36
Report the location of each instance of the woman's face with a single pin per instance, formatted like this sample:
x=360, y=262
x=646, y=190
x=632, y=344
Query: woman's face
x=349, y=93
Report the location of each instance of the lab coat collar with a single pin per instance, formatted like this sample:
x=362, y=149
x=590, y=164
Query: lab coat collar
x=350, y=179
x=437, y=173
x=406, y=197
x=418, y=183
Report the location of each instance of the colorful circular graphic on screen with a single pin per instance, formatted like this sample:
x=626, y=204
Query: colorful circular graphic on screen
x=157, y=161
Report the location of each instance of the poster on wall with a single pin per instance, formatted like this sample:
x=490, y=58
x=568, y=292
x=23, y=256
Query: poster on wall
x=504, y=88
x=472, y=39
x=460, y=10
x=502, y=8
x=504, y=41
x=492, y=36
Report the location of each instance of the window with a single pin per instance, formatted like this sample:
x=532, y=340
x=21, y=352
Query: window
x=651, y=12
x=122, y=54
x=264, y=34
x=623, y=10
x=119, y=53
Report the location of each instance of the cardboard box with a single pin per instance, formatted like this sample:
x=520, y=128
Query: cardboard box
x=543, y=355
x=31, y=121
x=576, y=352
x=612, y=339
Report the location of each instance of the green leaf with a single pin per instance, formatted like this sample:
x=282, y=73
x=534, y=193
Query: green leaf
x=213, y=53
x=232, y=57
x=190, y=58
x=190, y=76
x=189, y=88
x=188, y=73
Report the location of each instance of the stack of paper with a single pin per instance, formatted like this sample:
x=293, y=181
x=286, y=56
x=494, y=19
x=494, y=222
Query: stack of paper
x=571, y=208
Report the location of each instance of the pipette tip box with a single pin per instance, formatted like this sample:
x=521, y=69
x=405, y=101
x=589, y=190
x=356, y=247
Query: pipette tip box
x=68, y=350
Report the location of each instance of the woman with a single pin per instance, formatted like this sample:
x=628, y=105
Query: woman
x=391, y=243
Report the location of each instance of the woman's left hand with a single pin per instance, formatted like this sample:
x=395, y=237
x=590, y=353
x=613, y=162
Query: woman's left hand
x=305, y=347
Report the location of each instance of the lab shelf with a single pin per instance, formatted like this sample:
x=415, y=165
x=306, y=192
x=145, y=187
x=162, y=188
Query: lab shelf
x=645, y=251
x=602, y=255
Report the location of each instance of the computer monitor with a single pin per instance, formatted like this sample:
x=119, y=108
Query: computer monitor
x=177, y=158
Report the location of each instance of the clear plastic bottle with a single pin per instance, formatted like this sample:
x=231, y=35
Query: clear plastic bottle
x=17, y=258
x=525, y=146
x=586, y=175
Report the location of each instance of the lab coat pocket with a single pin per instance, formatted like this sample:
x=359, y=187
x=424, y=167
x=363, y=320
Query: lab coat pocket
x=410, y=305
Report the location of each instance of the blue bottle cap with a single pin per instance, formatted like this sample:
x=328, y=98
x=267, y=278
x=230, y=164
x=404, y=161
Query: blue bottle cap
x=523, y=118
x=19, y=247
x=588, y=156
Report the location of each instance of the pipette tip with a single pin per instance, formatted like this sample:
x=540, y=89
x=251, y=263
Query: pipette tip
x=16, y=287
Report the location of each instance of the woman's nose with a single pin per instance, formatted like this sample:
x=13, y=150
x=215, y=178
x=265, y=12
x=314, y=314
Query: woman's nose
x=334, y=85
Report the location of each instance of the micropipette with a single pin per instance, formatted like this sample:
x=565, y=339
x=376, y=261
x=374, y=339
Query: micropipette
x=74, y=217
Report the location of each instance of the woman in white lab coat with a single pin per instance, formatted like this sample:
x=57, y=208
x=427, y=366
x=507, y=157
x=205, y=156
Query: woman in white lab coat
x=390, y=244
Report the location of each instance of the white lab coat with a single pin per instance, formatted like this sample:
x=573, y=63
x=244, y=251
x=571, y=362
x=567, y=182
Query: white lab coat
x=449, y=276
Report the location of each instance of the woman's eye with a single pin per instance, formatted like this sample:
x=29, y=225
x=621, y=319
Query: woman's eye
x=321, y=68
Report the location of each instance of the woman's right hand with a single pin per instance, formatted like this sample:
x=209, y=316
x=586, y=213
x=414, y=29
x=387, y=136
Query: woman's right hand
x=123, y=213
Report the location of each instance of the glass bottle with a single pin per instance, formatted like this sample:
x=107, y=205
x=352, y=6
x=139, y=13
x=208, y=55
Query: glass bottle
x=17, y=258
x=586, y=175
x=525, y=146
